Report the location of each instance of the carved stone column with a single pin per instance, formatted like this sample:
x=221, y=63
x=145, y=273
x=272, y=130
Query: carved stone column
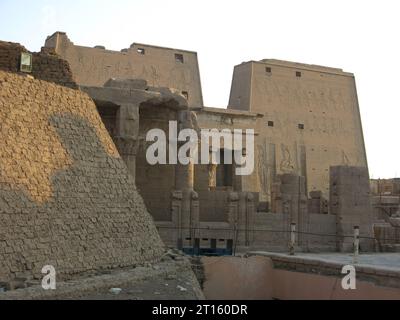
x=294, y=204
x=249, y=219
x=128, y=147
x=194, y=214
x=245, y=218
x=127, y=138
x=233, y=214
x=184, y=182
x=176, y=208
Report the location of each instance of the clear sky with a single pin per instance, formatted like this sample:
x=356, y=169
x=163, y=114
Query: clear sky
x=359, y=36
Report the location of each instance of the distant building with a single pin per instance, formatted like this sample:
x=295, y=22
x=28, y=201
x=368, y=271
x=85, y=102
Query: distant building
x=385, y=187
x=385, y=197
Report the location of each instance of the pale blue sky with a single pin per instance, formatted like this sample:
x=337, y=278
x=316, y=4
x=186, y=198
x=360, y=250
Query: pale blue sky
x=359, y=36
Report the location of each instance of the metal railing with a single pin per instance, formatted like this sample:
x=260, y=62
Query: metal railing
x=291, y=236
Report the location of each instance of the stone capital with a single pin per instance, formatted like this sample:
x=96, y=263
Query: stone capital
x=233, y=197
x=127, y=145
x=177, y=195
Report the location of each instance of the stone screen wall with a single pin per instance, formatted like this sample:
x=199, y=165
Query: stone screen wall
x=66, y=198
x=319, y=233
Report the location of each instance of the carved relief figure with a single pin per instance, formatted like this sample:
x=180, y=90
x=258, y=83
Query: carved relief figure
x=345, y=159
x=286, y=164
x=154, y=76
x=180, y=77
x=263, y=168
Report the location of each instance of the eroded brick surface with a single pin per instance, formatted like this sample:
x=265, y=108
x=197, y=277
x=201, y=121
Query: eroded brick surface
x=66, y=198
x=46, y=65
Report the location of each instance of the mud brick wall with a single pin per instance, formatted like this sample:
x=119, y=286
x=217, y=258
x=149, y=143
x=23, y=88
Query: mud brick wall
x=46, y=65
x=66, y=198
x=10, y=56
x=51, y=68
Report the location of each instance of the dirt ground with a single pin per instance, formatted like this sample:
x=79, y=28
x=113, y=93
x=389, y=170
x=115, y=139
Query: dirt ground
x=170, y=279
x=159, y=288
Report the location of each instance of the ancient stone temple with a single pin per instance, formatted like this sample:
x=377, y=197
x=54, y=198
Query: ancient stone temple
x=308, y=142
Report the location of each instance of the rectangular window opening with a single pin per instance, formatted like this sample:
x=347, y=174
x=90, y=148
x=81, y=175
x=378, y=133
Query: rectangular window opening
x=270, y=123
x=268, y=70
x=298, y=74
x=185, y=94
x=141, y=51
x=26, y=62
x=213, y=243
x=179, y=57
x=301, y=126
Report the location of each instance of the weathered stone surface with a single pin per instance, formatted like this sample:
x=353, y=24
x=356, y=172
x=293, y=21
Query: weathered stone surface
x=66, y=198
x=145, y=87
x=350, y=202
x=314, y=119
x=158, y=66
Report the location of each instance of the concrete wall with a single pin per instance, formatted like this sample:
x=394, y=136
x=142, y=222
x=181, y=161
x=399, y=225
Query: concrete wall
x=94, y=66
x=290, y=285
x=66, y=197
x=255, y=278
x=231, y=278
x=324, y=100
